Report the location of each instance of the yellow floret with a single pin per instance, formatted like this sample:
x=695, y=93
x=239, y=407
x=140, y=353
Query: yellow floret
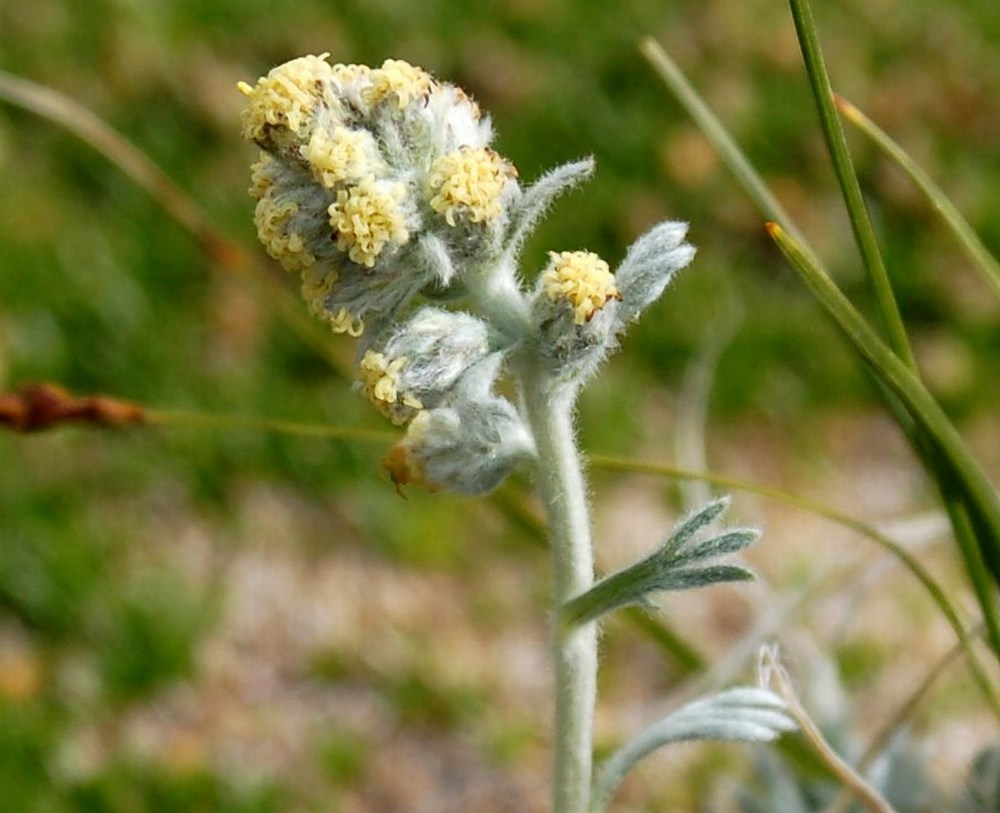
x=261, y=175
x=338, y=157
x=286, y=97
x=346, y=75
x=469, y=181
x=272, y=217
x=315, y=290
x=343, y=321
x=583, y=279
x=397, y=77
x=379, y=379
x=368, y=216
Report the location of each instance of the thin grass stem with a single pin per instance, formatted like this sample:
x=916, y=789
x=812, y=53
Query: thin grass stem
x=718, y=136
x=833, y=133
x=853, y=782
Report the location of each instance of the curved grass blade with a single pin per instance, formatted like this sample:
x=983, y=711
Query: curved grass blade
x=965, y=527
x=896, y=722
x=713, y=129
x=772, y=671
x=89, y=128
x=967, y=238
x=980, y=498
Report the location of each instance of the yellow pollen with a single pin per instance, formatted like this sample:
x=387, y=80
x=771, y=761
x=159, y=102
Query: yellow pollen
x=315, y=290
x=346, y=74
x=261, y=175
x=397, y=77
x=286, y=97
x=272, y=217
x=583, y=279
x=379, y=379
x=469, y=181
x=343, y=321
x=368, y=216
x=338, y=157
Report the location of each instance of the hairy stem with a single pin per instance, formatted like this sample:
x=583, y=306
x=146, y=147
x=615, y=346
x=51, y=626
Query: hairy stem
x=562, y=488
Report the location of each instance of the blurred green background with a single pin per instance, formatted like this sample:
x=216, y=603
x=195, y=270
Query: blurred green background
x=233, y=619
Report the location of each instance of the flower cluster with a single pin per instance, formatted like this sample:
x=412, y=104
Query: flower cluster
x=379, y=188
x=373, y=183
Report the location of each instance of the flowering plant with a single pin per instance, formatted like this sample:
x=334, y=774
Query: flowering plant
x=379, y=187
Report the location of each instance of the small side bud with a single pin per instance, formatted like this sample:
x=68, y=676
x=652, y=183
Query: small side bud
x=420, y=361
x=573, y=309
x=469, y=448
x=580, y=279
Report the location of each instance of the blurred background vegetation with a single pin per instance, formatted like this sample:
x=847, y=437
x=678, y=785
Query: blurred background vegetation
x=234, y=619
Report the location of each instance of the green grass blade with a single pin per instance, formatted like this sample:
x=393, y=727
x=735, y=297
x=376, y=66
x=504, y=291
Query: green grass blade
x=967, y=238
x=833, y=133
x=754, y=185
x=980, y=498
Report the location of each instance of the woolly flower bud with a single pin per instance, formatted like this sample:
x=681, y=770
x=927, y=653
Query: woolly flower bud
x=582, y=279
x=573, y=309
x=379, y=379
x=368, y=216
x=283, y=216
x=396, y=78
x=272, y=218
x=470, y=448
x=341, y=156
x=285, y=99
x=421, y=360
x=316, y=289
x=469, y=182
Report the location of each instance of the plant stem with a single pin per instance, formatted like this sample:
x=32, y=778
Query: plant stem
x=574, y=652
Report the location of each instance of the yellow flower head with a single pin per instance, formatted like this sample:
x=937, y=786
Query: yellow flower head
x=368, y=216
x=272, y=217
x=286, y=97
x=583, y=279
x=471, y=181
x=340, y=156
x=379, y=379
x=397, y=77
